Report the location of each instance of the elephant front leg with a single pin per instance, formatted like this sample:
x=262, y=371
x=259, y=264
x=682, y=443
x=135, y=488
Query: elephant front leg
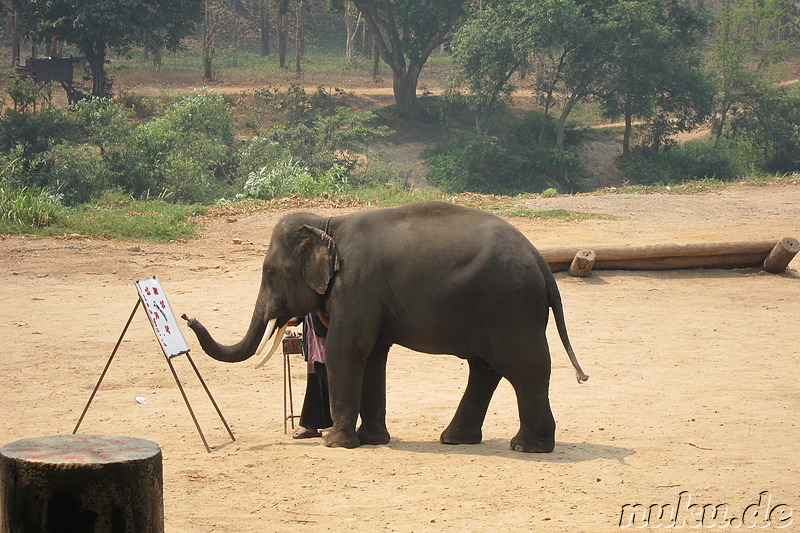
x=465, y=428
x=373, y=399
x=346, y=354
x=344, y=412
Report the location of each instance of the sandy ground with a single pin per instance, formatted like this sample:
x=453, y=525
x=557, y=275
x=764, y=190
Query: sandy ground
x=693, y=389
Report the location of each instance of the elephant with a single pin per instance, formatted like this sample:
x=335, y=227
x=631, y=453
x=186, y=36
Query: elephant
x=434, y=277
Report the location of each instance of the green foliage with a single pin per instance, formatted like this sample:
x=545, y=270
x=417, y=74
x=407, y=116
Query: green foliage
x=117, y=216
x=392, y=192
x=27, y=207
x=654, y=67
x=183, y=155
x=315, y=130
x=287, y=178
x=76, y=171
x=475, y=163
x=319, y=141
x=750, y=37
x=34, y=133
x=687, y=162
x=770, y=122
x=98, y=26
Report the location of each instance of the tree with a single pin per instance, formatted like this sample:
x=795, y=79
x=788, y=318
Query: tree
x=504, y=38
x=489, y=49
x=746, y=43
x=98, y=26
x=406, y=33
x=653, y=67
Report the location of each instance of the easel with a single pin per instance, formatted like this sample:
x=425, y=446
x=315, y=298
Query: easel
x=153, y=298
x=291, y=345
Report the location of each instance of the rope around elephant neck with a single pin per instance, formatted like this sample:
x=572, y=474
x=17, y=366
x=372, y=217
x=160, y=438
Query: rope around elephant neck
x=327, y=224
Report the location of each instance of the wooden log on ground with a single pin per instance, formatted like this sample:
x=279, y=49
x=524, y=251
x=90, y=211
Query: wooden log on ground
x=90, y=483
x=664, y=256
x=582, y=263
x=780, y=256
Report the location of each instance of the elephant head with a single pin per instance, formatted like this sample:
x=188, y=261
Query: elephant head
x=297, y=272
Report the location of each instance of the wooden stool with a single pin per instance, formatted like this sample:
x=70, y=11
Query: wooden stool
x=81, y=483
x=291, y=345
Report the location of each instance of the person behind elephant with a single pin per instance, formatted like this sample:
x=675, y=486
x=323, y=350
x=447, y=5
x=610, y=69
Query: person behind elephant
x=316, y=413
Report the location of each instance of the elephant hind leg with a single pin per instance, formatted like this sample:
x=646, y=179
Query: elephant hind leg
x=465, y=428
x=537, y=432
x=531, y=385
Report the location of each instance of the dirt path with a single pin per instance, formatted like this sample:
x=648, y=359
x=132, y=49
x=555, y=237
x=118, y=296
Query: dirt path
x=693, y=383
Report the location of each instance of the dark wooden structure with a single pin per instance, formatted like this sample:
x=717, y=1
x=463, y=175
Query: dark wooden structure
x=44, y=69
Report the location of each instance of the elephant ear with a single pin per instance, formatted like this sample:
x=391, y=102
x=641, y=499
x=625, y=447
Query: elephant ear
x=319, y=259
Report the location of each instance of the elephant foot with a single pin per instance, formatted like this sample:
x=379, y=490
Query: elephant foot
x=461, y=436
x=337, y=438
x=533, y=444
x=373, y=436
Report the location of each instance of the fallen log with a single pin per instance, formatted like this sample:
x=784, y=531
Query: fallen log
x=666, y=256
x=780, y=256
x=582, y=264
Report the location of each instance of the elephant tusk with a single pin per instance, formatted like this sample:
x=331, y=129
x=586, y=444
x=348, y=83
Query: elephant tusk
x=267, y=335
x=276, y=342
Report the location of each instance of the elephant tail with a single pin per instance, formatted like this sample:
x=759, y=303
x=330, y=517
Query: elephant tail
x=554, y=299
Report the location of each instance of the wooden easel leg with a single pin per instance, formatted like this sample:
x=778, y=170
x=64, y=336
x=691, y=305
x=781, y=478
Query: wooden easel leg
x=103, y=374
x=210, y=397
x=186, y=400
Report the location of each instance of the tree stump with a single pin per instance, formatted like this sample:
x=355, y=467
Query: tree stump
x=582, y=264
x=780, y=256
x=81, y=483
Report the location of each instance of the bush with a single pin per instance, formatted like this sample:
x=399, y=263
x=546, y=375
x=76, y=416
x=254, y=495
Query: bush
x=288, y=177
x=77, y=172
x=690, y=161
x=27, y=207
x=771, y=123
x=475, y=163
x=185, y=156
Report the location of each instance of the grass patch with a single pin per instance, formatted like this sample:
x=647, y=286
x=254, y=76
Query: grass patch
x=115, y=217
x=27, y=207
x=701, y=185
x=550, y=214
x=393, y=194
x=151, y=221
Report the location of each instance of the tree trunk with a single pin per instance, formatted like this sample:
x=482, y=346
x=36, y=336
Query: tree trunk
x=15, y=40
x=282, y=37
x=263, y=26
x=351, y=24
x=569, y=105
x=97, y=64
x=299, y=41
x=626, y=137
x=375, y=53
x=723, y=114
x=158, y=54
x=208, y=45
x=82, y=483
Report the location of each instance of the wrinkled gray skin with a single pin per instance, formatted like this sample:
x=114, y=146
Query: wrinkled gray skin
x=433, y=277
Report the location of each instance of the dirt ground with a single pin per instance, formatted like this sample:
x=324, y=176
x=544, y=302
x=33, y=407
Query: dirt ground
x=693, y=389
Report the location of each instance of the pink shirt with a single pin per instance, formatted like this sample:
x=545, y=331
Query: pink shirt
x=315, y=345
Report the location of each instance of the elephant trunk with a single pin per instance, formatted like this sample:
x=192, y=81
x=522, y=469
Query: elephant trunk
x=244, y=349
